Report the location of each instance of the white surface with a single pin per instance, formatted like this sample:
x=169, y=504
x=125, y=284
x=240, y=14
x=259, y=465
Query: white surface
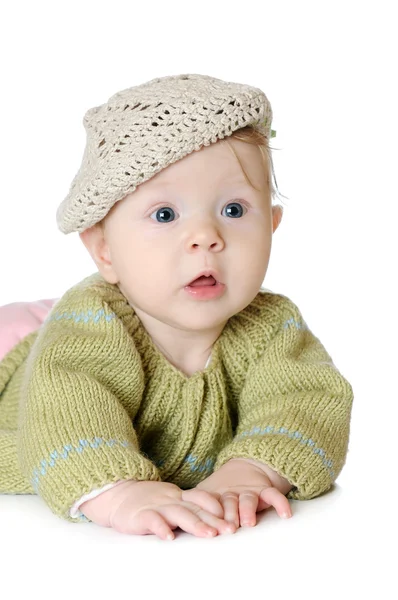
x=329, y=71
x=333, y=547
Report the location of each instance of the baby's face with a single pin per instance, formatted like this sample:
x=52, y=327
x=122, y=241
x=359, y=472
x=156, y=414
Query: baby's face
x=198, y=213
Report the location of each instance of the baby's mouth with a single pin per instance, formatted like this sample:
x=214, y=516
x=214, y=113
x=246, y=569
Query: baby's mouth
x=203, y=281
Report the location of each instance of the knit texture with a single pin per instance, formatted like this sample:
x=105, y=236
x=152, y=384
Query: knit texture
x=143, y=129
x=89, y=400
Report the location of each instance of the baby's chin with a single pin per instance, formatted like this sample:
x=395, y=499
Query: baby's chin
x=199, y=314
x=204, y=318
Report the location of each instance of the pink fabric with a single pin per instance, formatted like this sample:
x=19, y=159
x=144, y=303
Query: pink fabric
x=20, y=318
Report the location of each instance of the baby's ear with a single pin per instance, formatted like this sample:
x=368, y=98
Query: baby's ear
x=277, y=212
x=94, y=240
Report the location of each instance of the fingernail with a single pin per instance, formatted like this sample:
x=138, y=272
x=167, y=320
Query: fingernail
x=286, y=515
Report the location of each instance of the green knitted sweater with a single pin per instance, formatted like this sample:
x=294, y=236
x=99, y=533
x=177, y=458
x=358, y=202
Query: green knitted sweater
x=89, y=399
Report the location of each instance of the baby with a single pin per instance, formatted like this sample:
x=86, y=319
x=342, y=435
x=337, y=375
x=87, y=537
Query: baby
x=170, y=389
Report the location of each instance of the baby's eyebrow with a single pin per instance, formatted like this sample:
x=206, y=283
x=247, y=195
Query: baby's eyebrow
x=241, y=183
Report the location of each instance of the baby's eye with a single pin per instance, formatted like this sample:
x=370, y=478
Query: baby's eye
x=235, y=209
x=164, y=214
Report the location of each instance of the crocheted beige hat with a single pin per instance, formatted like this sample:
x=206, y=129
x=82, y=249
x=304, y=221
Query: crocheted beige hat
x=143, y=129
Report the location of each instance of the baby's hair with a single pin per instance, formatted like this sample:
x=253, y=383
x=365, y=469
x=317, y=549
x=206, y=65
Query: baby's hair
x=253, y=136
x=250, y=136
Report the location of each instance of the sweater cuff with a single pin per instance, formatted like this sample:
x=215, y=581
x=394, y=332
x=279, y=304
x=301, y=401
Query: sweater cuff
x=295, y=458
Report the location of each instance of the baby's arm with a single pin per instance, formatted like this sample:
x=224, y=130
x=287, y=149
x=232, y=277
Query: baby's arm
x=294, y=408
x=75, y=430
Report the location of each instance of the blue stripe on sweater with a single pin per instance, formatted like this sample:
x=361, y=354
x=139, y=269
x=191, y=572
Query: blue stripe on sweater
x=202, y=467
x=293, y=435
x=294, y=323
x=85, y=316
x=56, y=456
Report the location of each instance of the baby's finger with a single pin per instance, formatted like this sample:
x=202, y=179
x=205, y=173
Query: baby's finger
x=206, y=500
x=188, y=520
x=275, y=498
x=220, y=525
x=159, y=526
x=248, y=503
x=152, y=522
x=230, y=503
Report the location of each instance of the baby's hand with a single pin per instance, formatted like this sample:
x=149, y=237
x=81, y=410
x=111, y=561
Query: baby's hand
x=144, y=507
x=243, y=490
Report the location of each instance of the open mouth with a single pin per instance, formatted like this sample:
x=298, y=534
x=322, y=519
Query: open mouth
x=203, y=281
x=205, y=288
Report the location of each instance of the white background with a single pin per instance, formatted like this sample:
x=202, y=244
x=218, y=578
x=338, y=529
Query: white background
x=330, y=72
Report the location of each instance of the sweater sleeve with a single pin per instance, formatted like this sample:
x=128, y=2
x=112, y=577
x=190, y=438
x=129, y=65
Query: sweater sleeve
x=293, y=412
x=82, y=388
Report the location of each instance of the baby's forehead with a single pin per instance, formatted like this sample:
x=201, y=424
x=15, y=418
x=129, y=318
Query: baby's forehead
x=216, y=163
